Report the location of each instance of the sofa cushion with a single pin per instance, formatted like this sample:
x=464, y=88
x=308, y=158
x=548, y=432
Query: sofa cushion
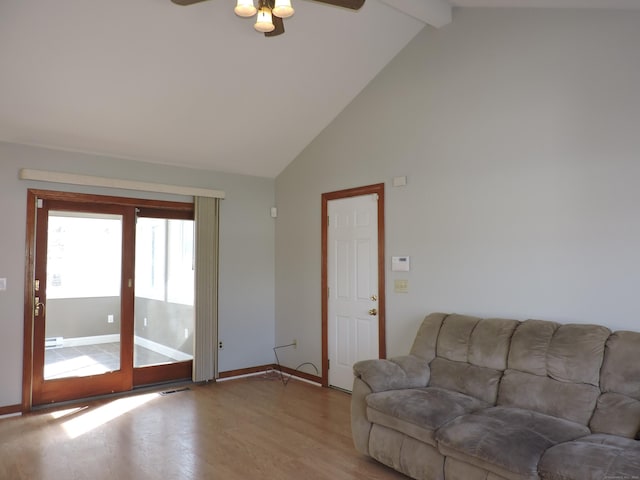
x=576, y=352
x=471, y=354
x=481, y=342
x=529, y=346
x=455, y=337
x=621, y=366
x=554, y=369
x=419, y=412
x=490, y=341
x=424, y=345
x=466, y=378
x=616, y=415
x=594, y=457
x=572, y=401
x=618, y=408
x=506, y=441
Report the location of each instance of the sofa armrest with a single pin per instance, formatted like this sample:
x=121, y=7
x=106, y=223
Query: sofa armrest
x=360, y=424
x=393, y=374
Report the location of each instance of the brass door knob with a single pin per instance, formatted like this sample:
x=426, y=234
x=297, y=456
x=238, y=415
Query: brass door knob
x=373, y=311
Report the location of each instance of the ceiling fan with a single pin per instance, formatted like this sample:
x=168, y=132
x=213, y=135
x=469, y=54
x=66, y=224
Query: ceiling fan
x=271, y=12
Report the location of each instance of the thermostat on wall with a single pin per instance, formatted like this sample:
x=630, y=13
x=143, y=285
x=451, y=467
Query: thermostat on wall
x=399, y=264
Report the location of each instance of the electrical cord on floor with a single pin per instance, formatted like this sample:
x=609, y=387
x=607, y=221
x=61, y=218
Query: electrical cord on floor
x=275, y=352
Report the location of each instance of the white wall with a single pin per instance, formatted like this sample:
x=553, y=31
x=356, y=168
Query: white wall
x=519, y=132
x=246, y=289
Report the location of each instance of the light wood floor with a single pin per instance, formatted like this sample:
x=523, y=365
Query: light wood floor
x=251, y=428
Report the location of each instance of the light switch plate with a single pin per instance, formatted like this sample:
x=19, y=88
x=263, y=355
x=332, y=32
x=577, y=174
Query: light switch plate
x=3, y=284
x=401, y=286
x=399, y=181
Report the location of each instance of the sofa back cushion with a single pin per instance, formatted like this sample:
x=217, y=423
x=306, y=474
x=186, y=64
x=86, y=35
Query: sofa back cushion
x=529, y=346
x=468, y=353
x=479, y=382
x=618, y=408
x=572, y=401
x=477, y=341
x=576, y=352
x=554, y=369
x=424, y=345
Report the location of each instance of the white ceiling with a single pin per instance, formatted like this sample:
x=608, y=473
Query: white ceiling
x=197, y=86
x=610, y=4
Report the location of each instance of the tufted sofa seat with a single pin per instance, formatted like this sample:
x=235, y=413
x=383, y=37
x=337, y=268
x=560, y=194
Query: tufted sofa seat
x=492, y=399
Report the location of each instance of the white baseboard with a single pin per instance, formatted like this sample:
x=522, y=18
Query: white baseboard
x=267, y=371
x=162, y=349
x=93, y=340
x=113, y=338
x=244, y=375
x=295, y=377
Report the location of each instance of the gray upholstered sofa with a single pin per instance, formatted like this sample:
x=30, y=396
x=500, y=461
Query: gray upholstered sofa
x=493, y=399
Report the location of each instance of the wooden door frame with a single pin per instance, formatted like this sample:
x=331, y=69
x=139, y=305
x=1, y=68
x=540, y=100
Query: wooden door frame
x=30, y=258
x=382, y=332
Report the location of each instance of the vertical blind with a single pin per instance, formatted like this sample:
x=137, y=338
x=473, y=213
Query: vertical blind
x=205, y=364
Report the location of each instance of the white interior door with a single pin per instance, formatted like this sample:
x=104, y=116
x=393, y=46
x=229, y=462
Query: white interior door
x=352, y=277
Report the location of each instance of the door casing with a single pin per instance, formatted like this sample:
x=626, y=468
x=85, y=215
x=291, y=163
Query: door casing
x=326, y=198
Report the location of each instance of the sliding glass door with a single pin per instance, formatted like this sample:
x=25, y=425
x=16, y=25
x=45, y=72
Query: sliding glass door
x=112, y=296
x=164, y=299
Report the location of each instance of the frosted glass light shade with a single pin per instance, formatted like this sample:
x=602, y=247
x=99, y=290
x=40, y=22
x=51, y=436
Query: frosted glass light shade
x=245, y=8
x=264, y=22
x=283, y=9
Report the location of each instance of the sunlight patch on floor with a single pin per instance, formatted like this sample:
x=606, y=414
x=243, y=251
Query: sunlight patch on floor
x=66, y=412
x=83, y=366
x=95, y=417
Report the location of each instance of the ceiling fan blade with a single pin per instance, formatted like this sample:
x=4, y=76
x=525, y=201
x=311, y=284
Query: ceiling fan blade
x=186, y=2
x=279, y=30
x=352, y=4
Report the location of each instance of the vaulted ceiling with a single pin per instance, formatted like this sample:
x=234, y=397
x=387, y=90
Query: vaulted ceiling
x=196, y=86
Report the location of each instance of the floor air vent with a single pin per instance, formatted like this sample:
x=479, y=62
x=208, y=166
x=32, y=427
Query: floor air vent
x=168, y=392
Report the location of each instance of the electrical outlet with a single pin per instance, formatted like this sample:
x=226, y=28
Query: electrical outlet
x=220, y=345
x=295, y=343
x=110, y=318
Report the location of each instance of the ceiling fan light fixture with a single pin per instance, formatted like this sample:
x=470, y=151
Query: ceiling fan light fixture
x=245, y=8
x=283, y=9
x=272, y=12
x=264, y=22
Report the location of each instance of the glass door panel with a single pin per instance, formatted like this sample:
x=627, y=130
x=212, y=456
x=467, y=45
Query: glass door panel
x=83, y=285
x=164, y=292
x=83, y=299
